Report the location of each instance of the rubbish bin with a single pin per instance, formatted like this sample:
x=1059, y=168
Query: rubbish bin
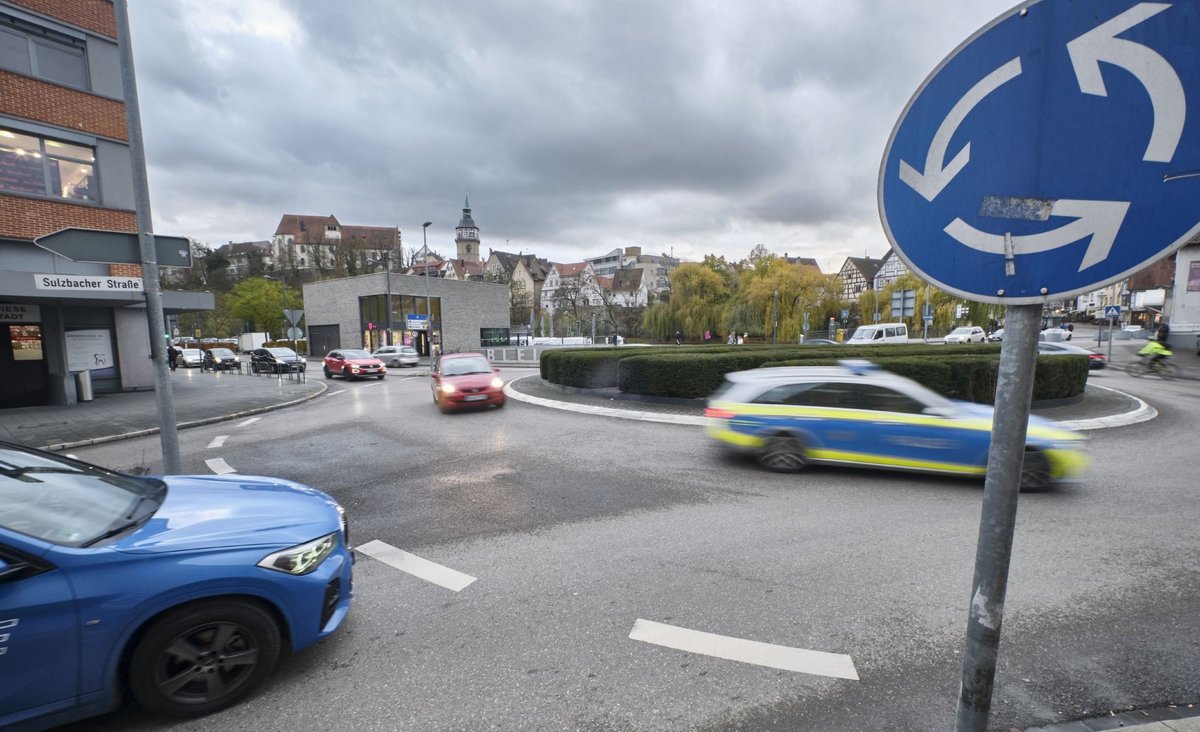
x=83, y=386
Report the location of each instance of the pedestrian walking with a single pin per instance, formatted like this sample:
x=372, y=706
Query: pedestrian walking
x=678, y=337
x=172, y=356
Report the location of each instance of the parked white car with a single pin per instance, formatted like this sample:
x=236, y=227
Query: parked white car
x=191, y=358
x=967, y=334
x=397, y=355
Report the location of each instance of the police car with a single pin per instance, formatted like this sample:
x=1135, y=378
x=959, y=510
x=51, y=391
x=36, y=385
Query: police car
x=857, y=414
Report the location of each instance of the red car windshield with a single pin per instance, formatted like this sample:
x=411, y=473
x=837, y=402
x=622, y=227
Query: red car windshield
x=355, y=353
x=464, y=366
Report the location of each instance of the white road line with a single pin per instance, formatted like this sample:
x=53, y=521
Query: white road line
x=424, y=569
x=818, y=663
x=218, y=441
x=335, y=393
x=373, y=383
x=219, y=466
x=249, y=422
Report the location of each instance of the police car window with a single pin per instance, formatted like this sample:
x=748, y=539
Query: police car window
x=879, y=398
x=832, y=395
x=790, y=394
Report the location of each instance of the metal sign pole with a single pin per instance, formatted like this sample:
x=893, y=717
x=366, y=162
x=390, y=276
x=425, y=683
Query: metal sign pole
x=1111, y=320
x=165, y=397
x=993, y=552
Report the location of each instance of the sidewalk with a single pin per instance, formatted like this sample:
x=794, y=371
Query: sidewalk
x=200, y=397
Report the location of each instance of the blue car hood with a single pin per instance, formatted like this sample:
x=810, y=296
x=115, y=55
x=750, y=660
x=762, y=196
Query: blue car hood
x=209, y=512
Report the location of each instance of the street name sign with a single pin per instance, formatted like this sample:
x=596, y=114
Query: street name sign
x=1055, y=151
x=115, y=247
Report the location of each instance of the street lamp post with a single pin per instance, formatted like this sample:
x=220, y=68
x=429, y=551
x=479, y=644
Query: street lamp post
x=387, y=301
x=283, y=298
x=428, y=309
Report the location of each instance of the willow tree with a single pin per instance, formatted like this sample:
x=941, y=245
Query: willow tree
x=698, y=298
x=778, y=288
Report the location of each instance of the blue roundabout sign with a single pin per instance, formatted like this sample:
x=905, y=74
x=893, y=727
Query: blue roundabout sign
x=1055, y=151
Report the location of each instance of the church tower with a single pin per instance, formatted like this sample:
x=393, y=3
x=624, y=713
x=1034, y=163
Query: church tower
x=466, y=236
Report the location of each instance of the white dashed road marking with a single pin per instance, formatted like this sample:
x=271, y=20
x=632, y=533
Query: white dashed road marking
x=424, y=569
x=249, y=422
x=219, y=466
x=803, y=661
x=335, y=393
x=218, y=441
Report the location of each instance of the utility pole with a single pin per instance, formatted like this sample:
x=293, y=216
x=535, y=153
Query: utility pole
x=164, y=396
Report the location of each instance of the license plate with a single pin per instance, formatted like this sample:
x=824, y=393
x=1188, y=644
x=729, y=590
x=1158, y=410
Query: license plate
x=474, y=397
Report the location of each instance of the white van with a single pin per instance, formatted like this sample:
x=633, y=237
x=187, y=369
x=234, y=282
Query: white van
x=880, y=333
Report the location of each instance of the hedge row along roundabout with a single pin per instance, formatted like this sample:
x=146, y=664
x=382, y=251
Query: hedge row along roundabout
x=693, y=372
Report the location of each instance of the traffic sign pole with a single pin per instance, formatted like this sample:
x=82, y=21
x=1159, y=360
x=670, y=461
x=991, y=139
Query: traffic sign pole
x=169, y=437
x=993, y=553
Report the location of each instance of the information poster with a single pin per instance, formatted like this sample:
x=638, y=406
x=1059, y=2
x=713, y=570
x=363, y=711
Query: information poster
x=91, y=350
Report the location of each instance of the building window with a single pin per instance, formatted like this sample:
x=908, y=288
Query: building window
x=493, y=337
x=40, y=166
x=27, y=49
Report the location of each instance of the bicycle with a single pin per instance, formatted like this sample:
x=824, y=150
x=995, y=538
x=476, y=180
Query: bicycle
x=1145, y=366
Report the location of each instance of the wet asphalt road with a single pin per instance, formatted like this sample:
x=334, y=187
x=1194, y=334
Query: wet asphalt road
x=577, y=526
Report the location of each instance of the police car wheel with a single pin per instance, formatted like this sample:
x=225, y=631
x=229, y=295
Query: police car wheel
x=1035, y=472
x=783, y=454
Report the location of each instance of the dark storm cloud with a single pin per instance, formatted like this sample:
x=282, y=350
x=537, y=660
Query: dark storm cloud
x=574, y=126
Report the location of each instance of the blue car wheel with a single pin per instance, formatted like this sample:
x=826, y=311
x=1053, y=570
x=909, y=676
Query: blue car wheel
x=203, y=657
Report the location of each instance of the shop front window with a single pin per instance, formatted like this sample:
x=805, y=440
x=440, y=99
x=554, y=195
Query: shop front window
x=26, y=342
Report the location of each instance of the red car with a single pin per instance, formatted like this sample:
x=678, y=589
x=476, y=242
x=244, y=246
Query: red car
x=466, y=380
x=353, y=363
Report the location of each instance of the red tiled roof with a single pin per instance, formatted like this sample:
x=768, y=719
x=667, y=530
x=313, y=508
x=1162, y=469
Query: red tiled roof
x=570, y=270
x=291, y=224
x=385, y=235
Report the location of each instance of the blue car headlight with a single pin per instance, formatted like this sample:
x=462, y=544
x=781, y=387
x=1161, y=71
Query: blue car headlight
x=303, y=558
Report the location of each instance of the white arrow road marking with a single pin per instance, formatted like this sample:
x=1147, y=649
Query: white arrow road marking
x=803, y=661
x=219, y=466
x=1147, y=66
x=218, y=441
x=936, y=177
x=1100, y=220
x=249, y=422
x=424, y=569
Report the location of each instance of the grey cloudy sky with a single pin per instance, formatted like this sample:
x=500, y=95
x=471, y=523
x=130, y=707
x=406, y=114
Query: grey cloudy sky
x=576, y=126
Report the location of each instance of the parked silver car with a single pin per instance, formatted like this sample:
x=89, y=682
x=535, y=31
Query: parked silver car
x=397, y=355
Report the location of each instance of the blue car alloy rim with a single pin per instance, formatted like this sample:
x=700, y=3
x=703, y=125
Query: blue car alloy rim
x=206, y=663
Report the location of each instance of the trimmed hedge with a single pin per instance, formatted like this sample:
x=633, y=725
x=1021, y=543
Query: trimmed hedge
x=959, y=372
